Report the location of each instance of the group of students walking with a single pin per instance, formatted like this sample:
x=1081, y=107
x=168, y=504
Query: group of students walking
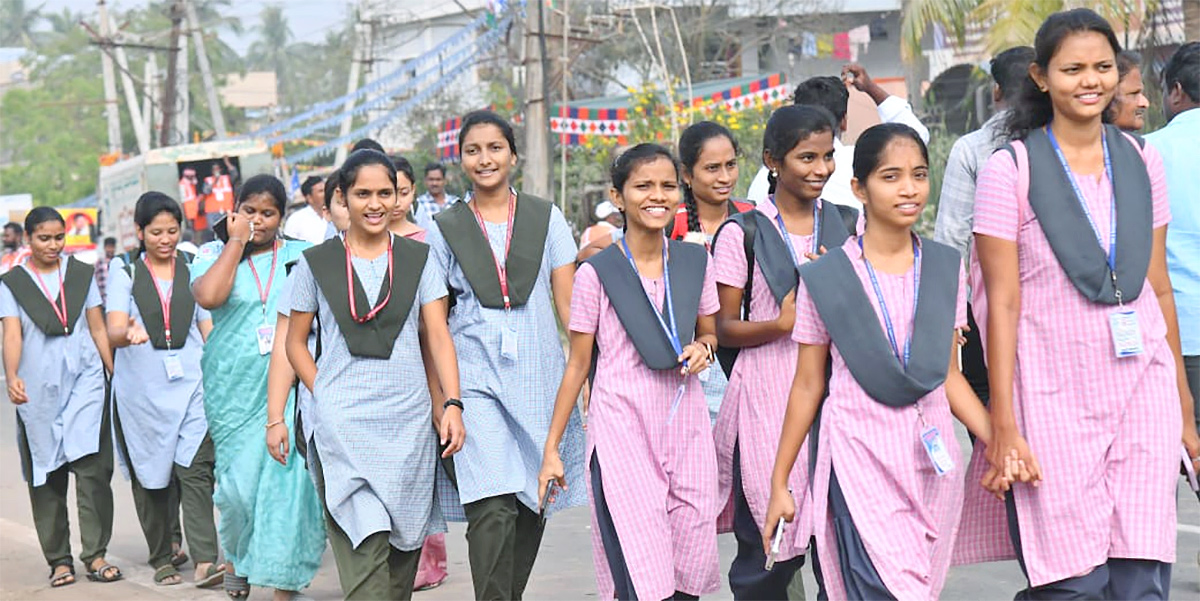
x=404, y=376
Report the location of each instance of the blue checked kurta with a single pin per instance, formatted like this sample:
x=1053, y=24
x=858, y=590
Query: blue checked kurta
x=374, y=433
x=509, y=403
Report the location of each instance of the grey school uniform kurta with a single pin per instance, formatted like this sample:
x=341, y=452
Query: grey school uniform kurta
x=509, y=403
x=64, y=379
x=373, y=432
x=162, y=420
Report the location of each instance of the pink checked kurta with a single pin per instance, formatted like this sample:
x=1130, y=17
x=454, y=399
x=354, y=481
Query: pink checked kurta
x=756, y=399
x=1105, y=430
x=660, y=477
x=906, y=515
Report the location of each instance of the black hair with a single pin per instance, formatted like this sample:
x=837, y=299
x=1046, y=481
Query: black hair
x=871, y=144
x=635, y=157
x=405, y=167
x=264, y=184
x=1127, y=61
x=332, y=184
x=309, y=183
x=691, y=142
x=435, y=167
x=788, y=126
x=110, y=241
x=1183, y=68
x=366, y=143
x=40, y=215
x=148, y=206
x=13, y=226
x=1032, y=108
x=827, y=92
x=474, y=118
x=1010, y=68
x=358, y=159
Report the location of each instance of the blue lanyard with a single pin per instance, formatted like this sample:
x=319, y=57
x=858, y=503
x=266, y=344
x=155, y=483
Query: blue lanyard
x=816, y=235
x=887, y=318
x=670, y=330
x=1112, y=216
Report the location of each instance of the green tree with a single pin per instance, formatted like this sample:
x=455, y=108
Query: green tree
x=18, y=22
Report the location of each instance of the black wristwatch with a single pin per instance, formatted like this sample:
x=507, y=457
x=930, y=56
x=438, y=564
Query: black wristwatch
x=454, y=403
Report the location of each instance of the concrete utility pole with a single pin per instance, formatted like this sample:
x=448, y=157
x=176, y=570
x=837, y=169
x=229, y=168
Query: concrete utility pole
x=362, y=41
x=151, y=113
x=170, y=89
x=111, y=110
x=131, y=93
x=536, y=164
x=210, y=89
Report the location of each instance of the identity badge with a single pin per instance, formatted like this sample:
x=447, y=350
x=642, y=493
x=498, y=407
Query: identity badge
x=173, y=366
x=508, y=343
x=935, y=447
x=266, y=338
x=1126, y=333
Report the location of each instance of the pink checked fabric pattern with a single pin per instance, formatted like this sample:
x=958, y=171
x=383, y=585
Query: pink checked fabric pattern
x=905, y=513
x=659, y=477
x=1105, y=430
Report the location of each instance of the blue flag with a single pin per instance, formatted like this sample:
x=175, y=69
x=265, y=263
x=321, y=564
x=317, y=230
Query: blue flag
x=295, y=182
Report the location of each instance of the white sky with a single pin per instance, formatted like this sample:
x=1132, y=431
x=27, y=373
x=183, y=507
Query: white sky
x=309, y=19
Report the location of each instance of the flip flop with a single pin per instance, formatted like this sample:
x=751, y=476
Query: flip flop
x=165, y=573
x=178, y=556
x=61, y=579
x=106, y=572
x=212, y=576
x=237, y=587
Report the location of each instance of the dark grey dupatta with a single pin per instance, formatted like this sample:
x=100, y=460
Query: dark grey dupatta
x=625, y=293
x=846, y=309
x=1071, y=236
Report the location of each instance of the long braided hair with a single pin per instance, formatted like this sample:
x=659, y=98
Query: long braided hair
x=691, y=142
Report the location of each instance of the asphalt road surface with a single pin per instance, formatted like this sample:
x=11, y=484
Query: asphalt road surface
x=564, y=569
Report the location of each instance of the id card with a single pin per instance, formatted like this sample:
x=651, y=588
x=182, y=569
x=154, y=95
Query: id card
x=1126, y=333
x=173, y=366
x=266, y=338
x=508, y=343
x=931, y=439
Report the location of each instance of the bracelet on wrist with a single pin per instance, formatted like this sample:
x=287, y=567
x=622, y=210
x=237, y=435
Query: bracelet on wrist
x=452, y=403
x=274, y=423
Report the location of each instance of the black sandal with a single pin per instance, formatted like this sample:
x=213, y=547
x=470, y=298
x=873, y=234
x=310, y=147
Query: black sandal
x=237, y=587
x=178, y=556
x=165, y=573
x=60, y=579
x=106, y=572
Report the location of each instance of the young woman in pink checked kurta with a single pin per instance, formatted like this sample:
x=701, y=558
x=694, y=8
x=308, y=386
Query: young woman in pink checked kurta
x=1083, y=352
x=655, y=502
x=798, y=151
x=887, y=488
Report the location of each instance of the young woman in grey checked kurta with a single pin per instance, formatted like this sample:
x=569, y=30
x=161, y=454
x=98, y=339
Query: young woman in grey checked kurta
x=503, y=254
x=158, y=332
x=49, y=308
x=379, y=300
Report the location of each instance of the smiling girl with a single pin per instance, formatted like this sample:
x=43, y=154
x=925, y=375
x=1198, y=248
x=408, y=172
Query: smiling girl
x=1087, y=381
x=158, y=404
x=50, y=308
x=271, y=528
x=886, y=491
x=647, y=306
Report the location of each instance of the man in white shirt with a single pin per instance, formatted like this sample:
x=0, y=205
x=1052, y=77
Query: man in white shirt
x=308, y=224
x=831, y=93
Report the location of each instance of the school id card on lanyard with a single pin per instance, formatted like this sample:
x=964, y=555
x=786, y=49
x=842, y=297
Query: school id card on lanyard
x=668, y=325
x=1123, y=323
x=171, y=361
x=508, y=333
x=931, y=437
x=265, y=332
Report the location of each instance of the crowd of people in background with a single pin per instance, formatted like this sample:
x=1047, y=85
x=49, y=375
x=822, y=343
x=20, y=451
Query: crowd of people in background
x=788, y=368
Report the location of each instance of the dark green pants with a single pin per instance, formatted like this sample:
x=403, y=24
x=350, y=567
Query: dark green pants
x=159, y=509
x=93, y=493
x=503, y=538
x=375, y=569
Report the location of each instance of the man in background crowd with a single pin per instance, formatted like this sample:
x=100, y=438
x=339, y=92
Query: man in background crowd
x=435, y=198
x=110, y=250
x=309, y=223
x=15, y=251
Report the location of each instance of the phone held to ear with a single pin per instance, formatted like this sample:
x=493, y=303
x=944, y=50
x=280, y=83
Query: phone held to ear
x=221, y=228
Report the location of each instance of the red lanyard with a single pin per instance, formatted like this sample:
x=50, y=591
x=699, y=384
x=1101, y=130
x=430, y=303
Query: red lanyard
x=501, y=270
x=164, y=301
x=60, y=312
x=350, y=286
x=263, y=293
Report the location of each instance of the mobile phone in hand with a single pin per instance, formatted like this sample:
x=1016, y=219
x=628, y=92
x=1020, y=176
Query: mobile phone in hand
x=776, y=541
x=221, y=228
x=545, y=501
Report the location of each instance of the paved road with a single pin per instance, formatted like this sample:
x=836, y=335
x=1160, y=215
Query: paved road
x=564, y=570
